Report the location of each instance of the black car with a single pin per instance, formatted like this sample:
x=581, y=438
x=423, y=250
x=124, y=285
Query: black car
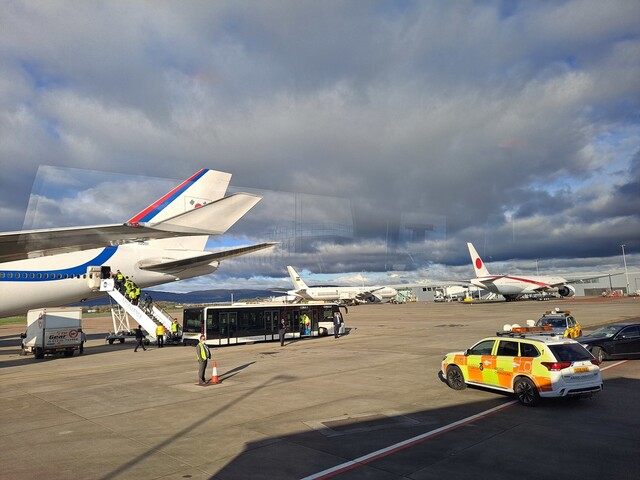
x=616, y=340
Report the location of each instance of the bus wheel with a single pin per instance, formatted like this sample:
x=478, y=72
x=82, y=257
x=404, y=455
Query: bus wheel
x=322, y=332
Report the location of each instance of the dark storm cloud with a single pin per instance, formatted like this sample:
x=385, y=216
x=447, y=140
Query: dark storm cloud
x=513, y=125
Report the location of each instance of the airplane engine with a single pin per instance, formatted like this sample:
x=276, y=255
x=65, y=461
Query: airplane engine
x=373, y=298
x=567, y=291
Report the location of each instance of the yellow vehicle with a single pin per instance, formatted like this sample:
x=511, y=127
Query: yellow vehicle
x=561, y=322
x=529, y=366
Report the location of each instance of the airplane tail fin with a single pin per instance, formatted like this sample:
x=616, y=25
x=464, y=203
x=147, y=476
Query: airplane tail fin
x=197, y=206
x=200, y=189
x=478, y=265
x=298, y=283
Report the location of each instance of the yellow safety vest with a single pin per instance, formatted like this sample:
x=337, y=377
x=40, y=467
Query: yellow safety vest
x=160, y=330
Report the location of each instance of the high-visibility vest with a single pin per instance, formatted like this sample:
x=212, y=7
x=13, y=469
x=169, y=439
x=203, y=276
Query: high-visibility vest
x=174, y=327
x=203, y=351
x=160, y=330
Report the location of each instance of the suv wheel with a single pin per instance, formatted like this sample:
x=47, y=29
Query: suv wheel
x=455, y=379
x=526, y=392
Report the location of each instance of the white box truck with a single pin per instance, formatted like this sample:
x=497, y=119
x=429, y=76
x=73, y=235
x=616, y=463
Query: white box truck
x=52, y=330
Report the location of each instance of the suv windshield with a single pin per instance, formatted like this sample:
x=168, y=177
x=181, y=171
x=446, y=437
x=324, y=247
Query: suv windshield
x=552, y=322
x=570, y=352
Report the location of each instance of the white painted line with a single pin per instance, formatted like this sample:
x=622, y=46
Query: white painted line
x=330, y=472
x=404, y=444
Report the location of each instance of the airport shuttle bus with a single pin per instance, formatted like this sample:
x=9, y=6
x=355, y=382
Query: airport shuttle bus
x=256, y=322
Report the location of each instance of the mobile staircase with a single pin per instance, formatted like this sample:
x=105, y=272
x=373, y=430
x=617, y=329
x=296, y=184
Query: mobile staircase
x=122, y=310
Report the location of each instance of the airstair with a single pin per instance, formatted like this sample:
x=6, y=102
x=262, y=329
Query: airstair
x=123, y=310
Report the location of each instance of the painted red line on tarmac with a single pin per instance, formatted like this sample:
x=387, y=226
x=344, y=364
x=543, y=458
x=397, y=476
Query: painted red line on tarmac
x=330, y=472
x=622, y=362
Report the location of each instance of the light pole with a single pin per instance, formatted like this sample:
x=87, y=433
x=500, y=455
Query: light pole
x=626, y=274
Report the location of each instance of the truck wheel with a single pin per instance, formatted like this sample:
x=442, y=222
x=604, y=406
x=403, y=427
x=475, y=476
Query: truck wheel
x=111, y=341
x=68, y=352
x=38, y=353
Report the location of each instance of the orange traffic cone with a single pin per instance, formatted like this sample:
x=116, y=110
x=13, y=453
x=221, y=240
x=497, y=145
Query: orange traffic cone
x=214, y=375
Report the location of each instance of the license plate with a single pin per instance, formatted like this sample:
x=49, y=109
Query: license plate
x=581, y=369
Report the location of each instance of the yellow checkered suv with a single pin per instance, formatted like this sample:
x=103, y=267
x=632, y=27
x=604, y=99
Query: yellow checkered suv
x=529, y=366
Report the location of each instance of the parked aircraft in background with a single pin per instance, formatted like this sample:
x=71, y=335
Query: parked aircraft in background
x=348, y=295
x=511, y=287
x=163, y=243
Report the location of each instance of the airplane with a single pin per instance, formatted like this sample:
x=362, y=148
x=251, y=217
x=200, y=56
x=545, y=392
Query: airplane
x=165, y=242
x=513, y=287
x=348, y=295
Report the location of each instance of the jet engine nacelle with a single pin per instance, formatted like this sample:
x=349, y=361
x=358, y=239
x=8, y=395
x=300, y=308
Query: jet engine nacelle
x=373, y=298
x=567, y=291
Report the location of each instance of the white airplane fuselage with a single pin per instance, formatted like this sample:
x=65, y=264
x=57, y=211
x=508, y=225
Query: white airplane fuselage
x=510, y=286
x=355, y=294
x=62, y=279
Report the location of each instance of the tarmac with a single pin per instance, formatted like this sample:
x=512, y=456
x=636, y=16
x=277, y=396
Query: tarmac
x=367, y=405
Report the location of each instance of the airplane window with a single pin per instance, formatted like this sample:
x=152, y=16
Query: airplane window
x=2, y=275
x=9, y=275
x=39, y=275
x=24, y=275
x=31, y=275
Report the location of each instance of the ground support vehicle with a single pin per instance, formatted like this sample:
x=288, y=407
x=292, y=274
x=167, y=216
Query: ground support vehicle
x=559, y=322
x=52, y=330
x=529, y=366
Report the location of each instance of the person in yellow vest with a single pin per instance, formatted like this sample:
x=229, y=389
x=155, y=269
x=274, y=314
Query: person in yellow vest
x=174, y=330
x=204, y=354
x=160, y=335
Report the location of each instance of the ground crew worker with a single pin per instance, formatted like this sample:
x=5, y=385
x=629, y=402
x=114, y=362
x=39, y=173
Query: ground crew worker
x=204, y=354
x=83, y=339
x=119, y=281
x=305, y=323
x=160, y=335
x=282, y=328
x=174, y=329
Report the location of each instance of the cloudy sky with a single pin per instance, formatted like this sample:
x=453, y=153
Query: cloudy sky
x=383, y=135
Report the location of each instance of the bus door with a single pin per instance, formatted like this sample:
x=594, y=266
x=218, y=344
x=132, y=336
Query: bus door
x=271, y=319
x=213, y=327
x=294, y=324
x=228, y=328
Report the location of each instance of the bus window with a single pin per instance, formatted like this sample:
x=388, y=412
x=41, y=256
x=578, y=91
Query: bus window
x=192, y=321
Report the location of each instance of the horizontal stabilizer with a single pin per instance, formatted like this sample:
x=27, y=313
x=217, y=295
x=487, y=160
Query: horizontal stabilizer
x=205, y=259
x=212, y=219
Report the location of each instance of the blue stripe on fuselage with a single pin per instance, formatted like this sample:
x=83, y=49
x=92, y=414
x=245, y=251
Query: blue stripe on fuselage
x=60, y=274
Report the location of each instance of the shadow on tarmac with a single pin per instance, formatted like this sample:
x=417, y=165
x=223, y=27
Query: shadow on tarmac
x=568, y=438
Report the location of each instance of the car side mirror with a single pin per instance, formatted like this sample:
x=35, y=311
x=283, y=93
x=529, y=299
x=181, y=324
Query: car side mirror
x=466, y=352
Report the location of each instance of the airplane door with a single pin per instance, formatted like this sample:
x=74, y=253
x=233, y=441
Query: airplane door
x=94, y=277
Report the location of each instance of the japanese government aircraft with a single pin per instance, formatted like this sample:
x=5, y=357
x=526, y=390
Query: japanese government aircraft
x=376, y=294
x=512, y=287
x=165, y=242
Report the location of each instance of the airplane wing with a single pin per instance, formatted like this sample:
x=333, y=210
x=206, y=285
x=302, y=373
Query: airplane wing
x=173, y=266
x=211, y=219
